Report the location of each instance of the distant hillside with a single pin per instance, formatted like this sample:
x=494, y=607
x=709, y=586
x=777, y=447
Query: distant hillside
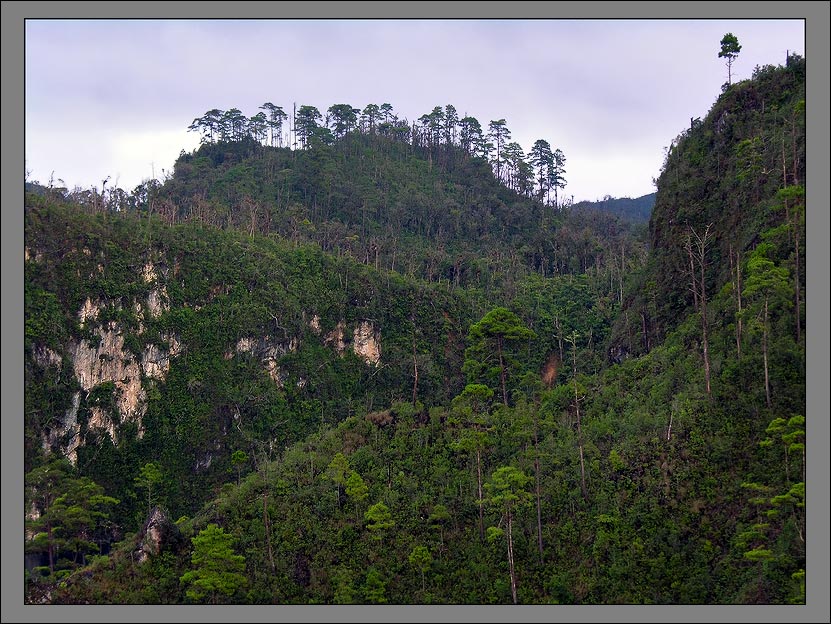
x=636, y=210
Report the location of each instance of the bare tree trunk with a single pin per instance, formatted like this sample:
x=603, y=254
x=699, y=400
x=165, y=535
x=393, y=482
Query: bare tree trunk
x=796, y=284
x=50, y=548
x=267, y=525
x=795, y=226
x=765, y=353
x=415, y=370
x=511, y=557
x=693, y=281
x=481, y=499
x=737, y=288
x=622, y=268
x=502, y=371
x=704, y=334
x=582, y=461
x=699, y=288
x=537, y=476
x=559, y=335
x=579, y=424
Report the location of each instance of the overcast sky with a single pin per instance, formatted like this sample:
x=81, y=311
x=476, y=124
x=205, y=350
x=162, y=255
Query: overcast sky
x=115, y=98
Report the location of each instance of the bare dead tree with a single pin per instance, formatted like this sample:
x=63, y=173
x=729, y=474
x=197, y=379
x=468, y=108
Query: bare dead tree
x=696, y=247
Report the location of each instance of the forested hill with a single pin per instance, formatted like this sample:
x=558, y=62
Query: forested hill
x=436, y=202
x=367, y=371
x=737, y=178
x=636, y=210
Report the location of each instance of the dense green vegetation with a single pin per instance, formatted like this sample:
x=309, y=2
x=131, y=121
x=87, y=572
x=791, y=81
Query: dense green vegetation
x=555, y=417
x=636, y=210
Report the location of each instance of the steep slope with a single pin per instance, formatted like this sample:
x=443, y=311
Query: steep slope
x=727, y=172
x=182, y=344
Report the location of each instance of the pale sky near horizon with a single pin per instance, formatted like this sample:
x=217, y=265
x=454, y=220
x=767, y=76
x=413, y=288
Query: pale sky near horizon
x=115, y=97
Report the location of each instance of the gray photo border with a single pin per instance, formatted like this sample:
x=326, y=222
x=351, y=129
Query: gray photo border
x=816, y=16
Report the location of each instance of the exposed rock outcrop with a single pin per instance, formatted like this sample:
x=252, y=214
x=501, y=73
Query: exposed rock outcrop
x=109, y=362
x=158, y=300
x=314, y=325
x=89, y=310
x=28, y=255
x=335, y=338
x=158, y=533
x=46, y=357
x=268, y=350
x=367, y=342
x=68, y=426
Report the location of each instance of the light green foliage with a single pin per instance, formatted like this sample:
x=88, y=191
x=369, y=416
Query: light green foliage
x=338, y=469
x=421, y=559
x=507, y=488
x=379, y=518
x=238, y=459
x=616, y=461
x=766, y=282
x=759, y=554
x=149, y=478
x=422, y=240
x=345, y=592
x=471, y=409
x=71, y=511
x=356, y=488
x=218, y=571
x=494, y=534
x=375, y=587
x=79, y=511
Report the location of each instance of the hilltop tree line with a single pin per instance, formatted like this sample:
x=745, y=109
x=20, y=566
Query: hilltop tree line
x=537, y=174
x=439, y=199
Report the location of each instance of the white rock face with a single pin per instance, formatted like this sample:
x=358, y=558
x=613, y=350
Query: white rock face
x=158, y=300
x=89, y=310
x=314, y=324
x=69, y=425
x=155, y=363
x=268, y=350
x=335, y=338
x=367, y=342
x=29, y=256
x=46, y=357
x=157, y=530
x=109, y=362
x=101, y=420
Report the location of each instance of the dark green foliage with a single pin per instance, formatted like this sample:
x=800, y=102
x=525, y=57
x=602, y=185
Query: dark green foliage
x=730, y=49
x=494, y=342
x=727, y=170
x=67, y=516
x=635, y=210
